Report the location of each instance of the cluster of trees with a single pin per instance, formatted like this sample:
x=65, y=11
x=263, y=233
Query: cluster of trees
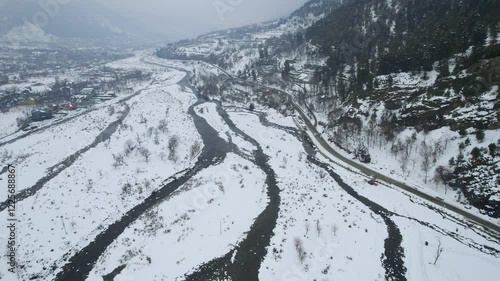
x=263, y=52
x=410, y=38
x=210, y=85
x=477, y=176
x=138, y=148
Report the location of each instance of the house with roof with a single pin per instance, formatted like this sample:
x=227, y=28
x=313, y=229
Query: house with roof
x=84, y=96
x=87, y=92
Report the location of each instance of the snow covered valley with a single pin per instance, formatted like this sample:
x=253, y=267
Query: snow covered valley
x=172, y=186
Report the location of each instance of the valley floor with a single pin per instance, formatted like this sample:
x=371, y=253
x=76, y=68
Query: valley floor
x=173, y=187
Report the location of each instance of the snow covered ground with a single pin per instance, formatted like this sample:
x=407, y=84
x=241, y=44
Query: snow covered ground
x=8, y=120
x=85, y=197
x=204, y=219
x=337, y=232
x=316, y=213
x=419, y=225
x=38, y=152
x=384, y=161
x=327, y=228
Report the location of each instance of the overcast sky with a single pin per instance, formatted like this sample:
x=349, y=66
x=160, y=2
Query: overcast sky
x=187, y=18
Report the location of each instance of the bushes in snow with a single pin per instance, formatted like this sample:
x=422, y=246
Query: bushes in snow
x=163, y=126
x=426, y=161
x=119, y=160
x=144, y=152
x=195, y=149
x=173, y=143
x=299, y=246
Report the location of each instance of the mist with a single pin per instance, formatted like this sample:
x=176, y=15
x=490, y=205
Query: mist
x=158, y=20
x=188, y=18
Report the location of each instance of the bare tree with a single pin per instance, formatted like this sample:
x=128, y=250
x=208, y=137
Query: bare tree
x=20, y=121
x=147, y=184
x=438, y=252
x=144, y=152
x=157, y=138
x=111, y=110
x=438, y=149
x=426, y=152
x=163, y=126
x=143, y=120
x=150, y=131
x=285, y=162
x=129, y=147
x=6, y=156
x=163, y=156
x=318, y=228
x=195, y=149
x=299, y=246
x=404, y=159
x=138, y=139
x=442, y=175
x=119, y=160
x=173, y=143
x=126, y=190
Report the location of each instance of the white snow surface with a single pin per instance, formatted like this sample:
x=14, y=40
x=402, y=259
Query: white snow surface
x=209, y=216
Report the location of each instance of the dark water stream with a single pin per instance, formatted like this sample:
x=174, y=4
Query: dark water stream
x=214, y=152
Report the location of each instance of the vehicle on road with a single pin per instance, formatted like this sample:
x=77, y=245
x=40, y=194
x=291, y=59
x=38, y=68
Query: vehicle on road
x=372, y=181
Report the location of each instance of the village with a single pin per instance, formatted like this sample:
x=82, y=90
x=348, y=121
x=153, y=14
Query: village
x=62, y=87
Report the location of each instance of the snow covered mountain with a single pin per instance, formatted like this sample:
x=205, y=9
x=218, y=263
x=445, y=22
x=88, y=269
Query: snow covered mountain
x=236, y=49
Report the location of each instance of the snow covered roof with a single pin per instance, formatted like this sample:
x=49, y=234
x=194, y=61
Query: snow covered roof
x=87, y=91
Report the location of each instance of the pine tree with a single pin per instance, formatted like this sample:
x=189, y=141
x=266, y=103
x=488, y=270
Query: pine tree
x=480, y=135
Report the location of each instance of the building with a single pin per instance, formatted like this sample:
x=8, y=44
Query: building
x=87, y=92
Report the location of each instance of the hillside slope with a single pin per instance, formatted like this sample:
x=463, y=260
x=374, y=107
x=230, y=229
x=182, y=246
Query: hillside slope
x=424, y=68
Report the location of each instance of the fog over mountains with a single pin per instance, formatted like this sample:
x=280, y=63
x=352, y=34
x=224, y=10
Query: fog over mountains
x=147, y=21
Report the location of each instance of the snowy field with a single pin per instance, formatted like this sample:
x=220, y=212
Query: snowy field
x=317, y=213
x=203, y=220
x=384, y=162
x=90, y=194
x=310, y=197
x=8, y=120
x=90, y=172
